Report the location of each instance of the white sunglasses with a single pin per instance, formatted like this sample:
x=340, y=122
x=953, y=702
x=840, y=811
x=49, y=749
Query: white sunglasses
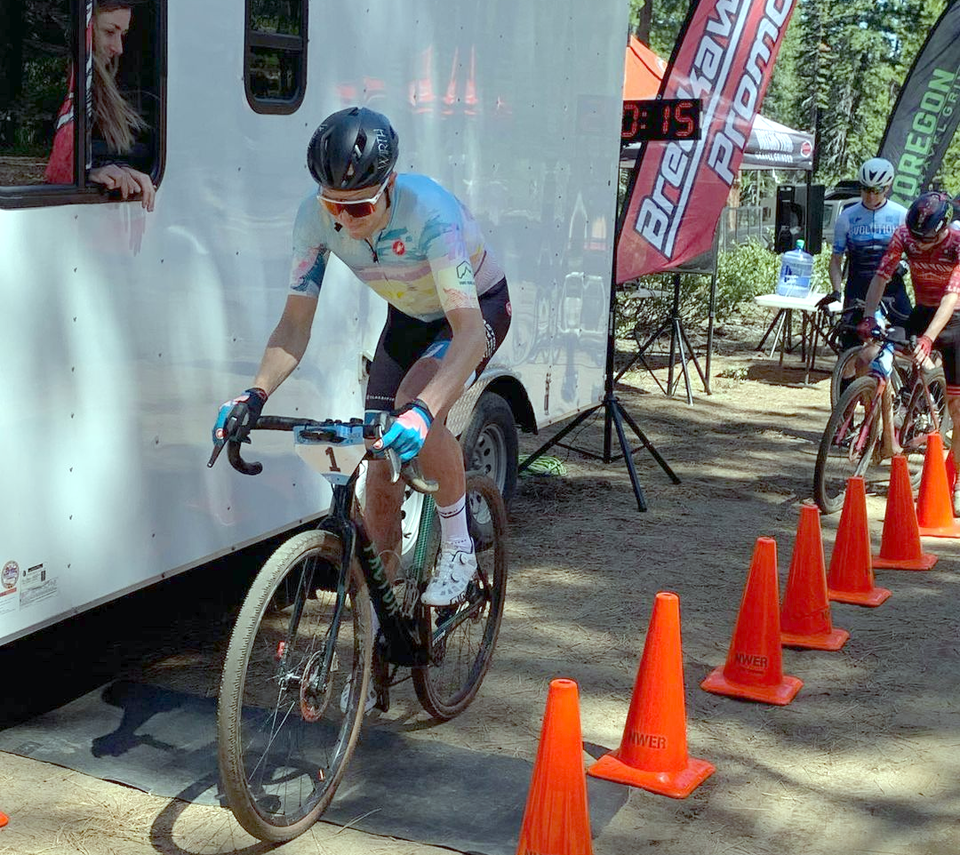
x=354, y=207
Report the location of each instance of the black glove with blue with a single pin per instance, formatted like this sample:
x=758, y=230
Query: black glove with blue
x=408, y=433
x=238, y=416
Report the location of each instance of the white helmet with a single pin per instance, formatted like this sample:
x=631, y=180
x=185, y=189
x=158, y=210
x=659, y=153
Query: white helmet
x=876, y=174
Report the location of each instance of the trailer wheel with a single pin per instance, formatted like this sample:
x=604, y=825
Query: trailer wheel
x=490, y=443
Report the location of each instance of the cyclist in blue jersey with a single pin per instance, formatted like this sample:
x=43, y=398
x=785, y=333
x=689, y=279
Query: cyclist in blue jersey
x=862, y=234
x=418, y=247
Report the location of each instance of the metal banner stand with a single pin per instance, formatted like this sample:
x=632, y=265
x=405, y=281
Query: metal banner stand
x=678, y=342
x=614, y=417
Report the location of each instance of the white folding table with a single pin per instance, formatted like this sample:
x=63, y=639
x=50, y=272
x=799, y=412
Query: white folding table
x=814, y=324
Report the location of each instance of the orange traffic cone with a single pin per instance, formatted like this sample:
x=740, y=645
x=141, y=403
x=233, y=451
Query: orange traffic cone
x=556, y=819
x=4, y=819
x=935, y=502
x=754, y=667
x=850, y=578
x=951, y=466
x=900, y=546
x=653, y=751
x=805, y=615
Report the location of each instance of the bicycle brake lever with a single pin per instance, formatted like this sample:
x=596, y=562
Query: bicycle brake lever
x=413, y=475
x=214, y=455
x=395, y=466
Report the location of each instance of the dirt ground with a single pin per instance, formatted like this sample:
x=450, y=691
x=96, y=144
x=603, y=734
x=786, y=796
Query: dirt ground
x=865, y=760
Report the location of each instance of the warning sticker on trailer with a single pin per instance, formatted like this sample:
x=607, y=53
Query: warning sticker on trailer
x=9, y=577
x=38, y=584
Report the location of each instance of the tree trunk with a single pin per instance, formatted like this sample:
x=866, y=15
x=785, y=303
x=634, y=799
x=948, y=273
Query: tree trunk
x=645, y=22
x=11, y=67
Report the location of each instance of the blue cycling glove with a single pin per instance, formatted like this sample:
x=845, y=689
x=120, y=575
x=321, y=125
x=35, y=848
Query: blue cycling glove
x=238, y=416
x=408, y=433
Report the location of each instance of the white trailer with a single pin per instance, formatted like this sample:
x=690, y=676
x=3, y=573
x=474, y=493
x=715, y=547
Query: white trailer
x=122, y=331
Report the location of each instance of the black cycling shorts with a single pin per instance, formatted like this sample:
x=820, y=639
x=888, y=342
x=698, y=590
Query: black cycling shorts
x=948, y=342
x=404, y=340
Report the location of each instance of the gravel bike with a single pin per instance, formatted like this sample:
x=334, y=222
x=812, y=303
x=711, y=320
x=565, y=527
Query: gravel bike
x=863, y=354
x=852, y=440
x=302, y=654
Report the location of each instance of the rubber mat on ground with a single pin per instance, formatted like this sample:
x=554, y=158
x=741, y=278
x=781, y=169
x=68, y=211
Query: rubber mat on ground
x=164, y=743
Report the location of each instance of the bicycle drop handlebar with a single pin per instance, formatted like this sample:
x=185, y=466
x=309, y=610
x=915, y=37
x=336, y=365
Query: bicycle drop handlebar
x=410, y=471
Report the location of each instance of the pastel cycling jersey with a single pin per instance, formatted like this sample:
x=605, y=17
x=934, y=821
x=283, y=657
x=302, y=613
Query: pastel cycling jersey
x=934, y=270
x=430, y=257
x=864, y=235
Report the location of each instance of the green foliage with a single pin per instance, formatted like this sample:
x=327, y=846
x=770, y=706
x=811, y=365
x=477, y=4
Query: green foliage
x=841, y=65
x=742, y=273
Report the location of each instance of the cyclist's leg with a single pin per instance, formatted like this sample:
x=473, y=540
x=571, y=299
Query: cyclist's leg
x=847, y=340
x=408, y=357
x=402, y=342
x=442, y=457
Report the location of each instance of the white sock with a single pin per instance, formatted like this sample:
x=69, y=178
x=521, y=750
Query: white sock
x=453, y=525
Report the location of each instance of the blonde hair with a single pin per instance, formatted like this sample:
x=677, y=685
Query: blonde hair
x=116, y=117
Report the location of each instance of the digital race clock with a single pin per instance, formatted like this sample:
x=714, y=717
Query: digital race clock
x=667, y=119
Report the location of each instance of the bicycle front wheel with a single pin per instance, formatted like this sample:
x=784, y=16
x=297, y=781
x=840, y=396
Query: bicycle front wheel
x=461, y=638
x=849, y=443
x=294, y=680
x=840, y=369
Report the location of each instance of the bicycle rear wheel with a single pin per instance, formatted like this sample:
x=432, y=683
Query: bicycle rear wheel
x=848, y=444
x=461, y=638
x=916, y=421
x=298, y=653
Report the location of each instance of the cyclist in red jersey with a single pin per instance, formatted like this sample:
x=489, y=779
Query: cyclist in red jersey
x=932, y=250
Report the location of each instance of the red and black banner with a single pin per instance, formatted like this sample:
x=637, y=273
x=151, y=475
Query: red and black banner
x=926, y=114
x=724, y=57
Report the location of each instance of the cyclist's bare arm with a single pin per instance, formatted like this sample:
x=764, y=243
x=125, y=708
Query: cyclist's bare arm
x=945, y=310
x=874, y=293
x=836, y=271
x=287, y=343
x=460, y=361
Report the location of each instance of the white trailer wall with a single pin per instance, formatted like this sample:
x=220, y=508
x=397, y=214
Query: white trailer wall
x=122, y=331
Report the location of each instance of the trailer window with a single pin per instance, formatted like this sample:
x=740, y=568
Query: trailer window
x=50, y=152
x=275, y=55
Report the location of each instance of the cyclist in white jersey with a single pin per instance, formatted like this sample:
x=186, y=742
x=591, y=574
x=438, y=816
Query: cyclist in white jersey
x=416, y=245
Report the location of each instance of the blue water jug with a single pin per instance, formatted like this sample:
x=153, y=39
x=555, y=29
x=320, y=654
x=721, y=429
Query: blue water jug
x=796, y=268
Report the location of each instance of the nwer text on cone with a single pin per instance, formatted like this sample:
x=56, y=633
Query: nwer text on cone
x=754, y=667
x=653, y=751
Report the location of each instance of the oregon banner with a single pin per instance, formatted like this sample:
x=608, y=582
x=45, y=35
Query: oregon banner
x=724, y=57
x=927, y=111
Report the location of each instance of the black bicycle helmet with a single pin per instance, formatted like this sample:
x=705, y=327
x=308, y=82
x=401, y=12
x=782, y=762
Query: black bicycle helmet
x=929, y=214
x=352, y=149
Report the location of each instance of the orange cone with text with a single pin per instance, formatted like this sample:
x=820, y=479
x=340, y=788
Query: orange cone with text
x=900, y=545
x=850, y=578
x=754, y=667
x=653, y=751
x=805, y=615
x=556, y=820
x=935, y=502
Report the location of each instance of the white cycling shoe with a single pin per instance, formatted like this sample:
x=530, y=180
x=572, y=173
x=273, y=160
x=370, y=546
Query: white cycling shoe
x=455, y=571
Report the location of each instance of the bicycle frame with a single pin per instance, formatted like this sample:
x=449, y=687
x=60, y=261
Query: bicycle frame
x=917, y=387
